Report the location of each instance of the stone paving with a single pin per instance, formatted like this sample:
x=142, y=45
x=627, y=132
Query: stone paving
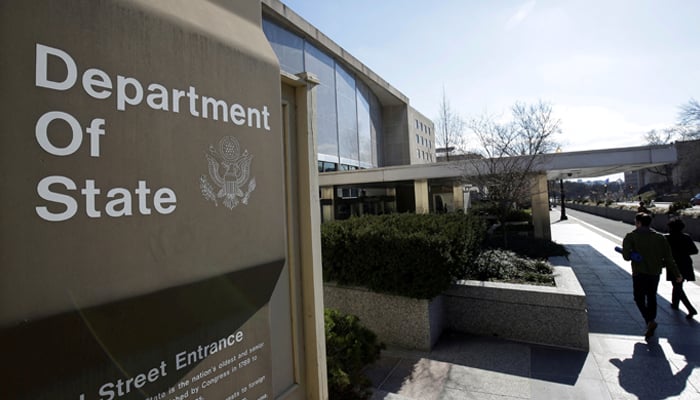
x=620, y=363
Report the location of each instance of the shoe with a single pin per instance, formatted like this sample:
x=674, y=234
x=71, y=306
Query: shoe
x=651, y=327
x=691, y=313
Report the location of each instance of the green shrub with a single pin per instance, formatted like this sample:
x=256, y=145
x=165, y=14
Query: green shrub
x=506, y=266
x=349, y=348
x=678, y=205
x=647, y=197
x=411, y=255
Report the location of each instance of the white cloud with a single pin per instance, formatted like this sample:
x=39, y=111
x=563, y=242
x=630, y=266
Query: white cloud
x=596, y=127
x=520, y=15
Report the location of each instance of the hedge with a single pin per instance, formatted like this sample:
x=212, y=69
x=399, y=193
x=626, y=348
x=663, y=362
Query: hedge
x=411, y=255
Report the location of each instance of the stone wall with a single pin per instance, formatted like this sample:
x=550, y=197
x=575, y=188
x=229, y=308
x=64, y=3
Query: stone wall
x=547, y=315
x=397, y=321
x=538, y=314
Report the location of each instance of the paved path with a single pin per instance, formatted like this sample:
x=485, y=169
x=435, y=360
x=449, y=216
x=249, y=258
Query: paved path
x=620, y=364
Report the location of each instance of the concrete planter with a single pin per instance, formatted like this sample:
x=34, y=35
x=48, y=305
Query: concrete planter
x=547, y=315
x=397, y=321
x=554, y=316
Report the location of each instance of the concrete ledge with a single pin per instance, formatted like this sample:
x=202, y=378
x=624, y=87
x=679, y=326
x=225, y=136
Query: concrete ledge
x=660, y=221
x=553, y=316
x=398, y=321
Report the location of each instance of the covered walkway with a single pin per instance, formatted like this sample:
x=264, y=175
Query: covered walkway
x=445, y=186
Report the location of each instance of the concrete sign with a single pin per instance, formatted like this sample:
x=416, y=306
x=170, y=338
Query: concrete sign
x=143, y=213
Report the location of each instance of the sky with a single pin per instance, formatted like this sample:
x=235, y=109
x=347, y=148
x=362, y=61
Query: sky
x=611, y=69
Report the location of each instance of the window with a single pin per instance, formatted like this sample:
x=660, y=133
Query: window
x=324, y=68
x=288, y=47
x=349, y=147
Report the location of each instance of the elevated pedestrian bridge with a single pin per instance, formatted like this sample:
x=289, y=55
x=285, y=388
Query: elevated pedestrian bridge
x=425, y=188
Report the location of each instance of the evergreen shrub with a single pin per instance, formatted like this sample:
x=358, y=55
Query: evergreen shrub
x=350, y=347
x=506, y=266
x=679, y=205
x=411, y=255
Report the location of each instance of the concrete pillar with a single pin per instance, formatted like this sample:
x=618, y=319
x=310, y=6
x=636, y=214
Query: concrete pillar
x=390, y=207
x=327, y=204
x=540, y=207
x=420, y=187
x=458, y=196
x=309, y=262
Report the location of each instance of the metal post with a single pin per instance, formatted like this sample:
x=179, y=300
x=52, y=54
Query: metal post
x=563, y=207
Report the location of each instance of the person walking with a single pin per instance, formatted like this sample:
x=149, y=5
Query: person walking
x=682, y=247
x=649, y=253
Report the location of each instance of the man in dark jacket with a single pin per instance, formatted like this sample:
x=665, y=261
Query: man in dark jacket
x=682, y=247
x=650, y=253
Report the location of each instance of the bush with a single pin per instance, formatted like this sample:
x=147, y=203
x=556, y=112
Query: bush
x=506, y=266
x=411, y=255
x=678, y=205
x=349, y=348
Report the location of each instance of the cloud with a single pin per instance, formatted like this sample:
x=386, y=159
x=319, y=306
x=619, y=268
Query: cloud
x=596, y=127
x=520, y=15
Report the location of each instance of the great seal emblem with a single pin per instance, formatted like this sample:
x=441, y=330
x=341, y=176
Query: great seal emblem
x=229, y=171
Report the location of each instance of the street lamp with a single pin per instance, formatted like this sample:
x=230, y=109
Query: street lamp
x=563, y=216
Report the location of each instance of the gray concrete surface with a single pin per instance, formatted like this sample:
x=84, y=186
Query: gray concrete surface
x=620, y=364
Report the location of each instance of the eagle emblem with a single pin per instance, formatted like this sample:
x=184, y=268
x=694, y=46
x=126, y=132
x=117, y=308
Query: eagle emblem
x=229, y=172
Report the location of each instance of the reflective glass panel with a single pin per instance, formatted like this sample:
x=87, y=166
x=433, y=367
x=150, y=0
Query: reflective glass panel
x=288, y=47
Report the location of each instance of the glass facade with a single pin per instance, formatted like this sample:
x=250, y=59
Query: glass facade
x=348, y=113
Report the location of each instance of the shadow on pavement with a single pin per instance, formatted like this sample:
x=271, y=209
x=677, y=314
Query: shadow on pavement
x=648, y=373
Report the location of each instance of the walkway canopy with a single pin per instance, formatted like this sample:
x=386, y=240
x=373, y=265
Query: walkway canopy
x=416, y=186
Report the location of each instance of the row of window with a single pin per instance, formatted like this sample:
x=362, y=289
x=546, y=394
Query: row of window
x=348, y=114
x=424, y=155
x=423, y=127
x=423, y=141
x=325, y=166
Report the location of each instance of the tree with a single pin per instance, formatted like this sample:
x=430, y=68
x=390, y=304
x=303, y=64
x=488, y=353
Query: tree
x=687, y=128
x=536, y=127
x=450, y=128
x=689, y=119
x=512, y=152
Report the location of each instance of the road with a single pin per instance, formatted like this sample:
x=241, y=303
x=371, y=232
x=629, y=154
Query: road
x=616, y=230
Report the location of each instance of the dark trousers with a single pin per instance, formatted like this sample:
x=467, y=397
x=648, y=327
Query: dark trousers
x=678, y=295
x=645, y=287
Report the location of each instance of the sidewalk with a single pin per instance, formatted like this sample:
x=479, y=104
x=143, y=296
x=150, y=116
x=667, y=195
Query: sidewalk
x=620, y=364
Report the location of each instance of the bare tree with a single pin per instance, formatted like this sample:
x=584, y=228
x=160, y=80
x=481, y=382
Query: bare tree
x=689, y=118
x=450, y=128
x=512, y=153
x=536, y=127
x=687, y=128
x=660, y=136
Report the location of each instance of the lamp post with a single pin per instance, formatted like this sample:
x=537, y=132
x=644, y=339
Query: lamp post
x=563, y=216
x=561, y=193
